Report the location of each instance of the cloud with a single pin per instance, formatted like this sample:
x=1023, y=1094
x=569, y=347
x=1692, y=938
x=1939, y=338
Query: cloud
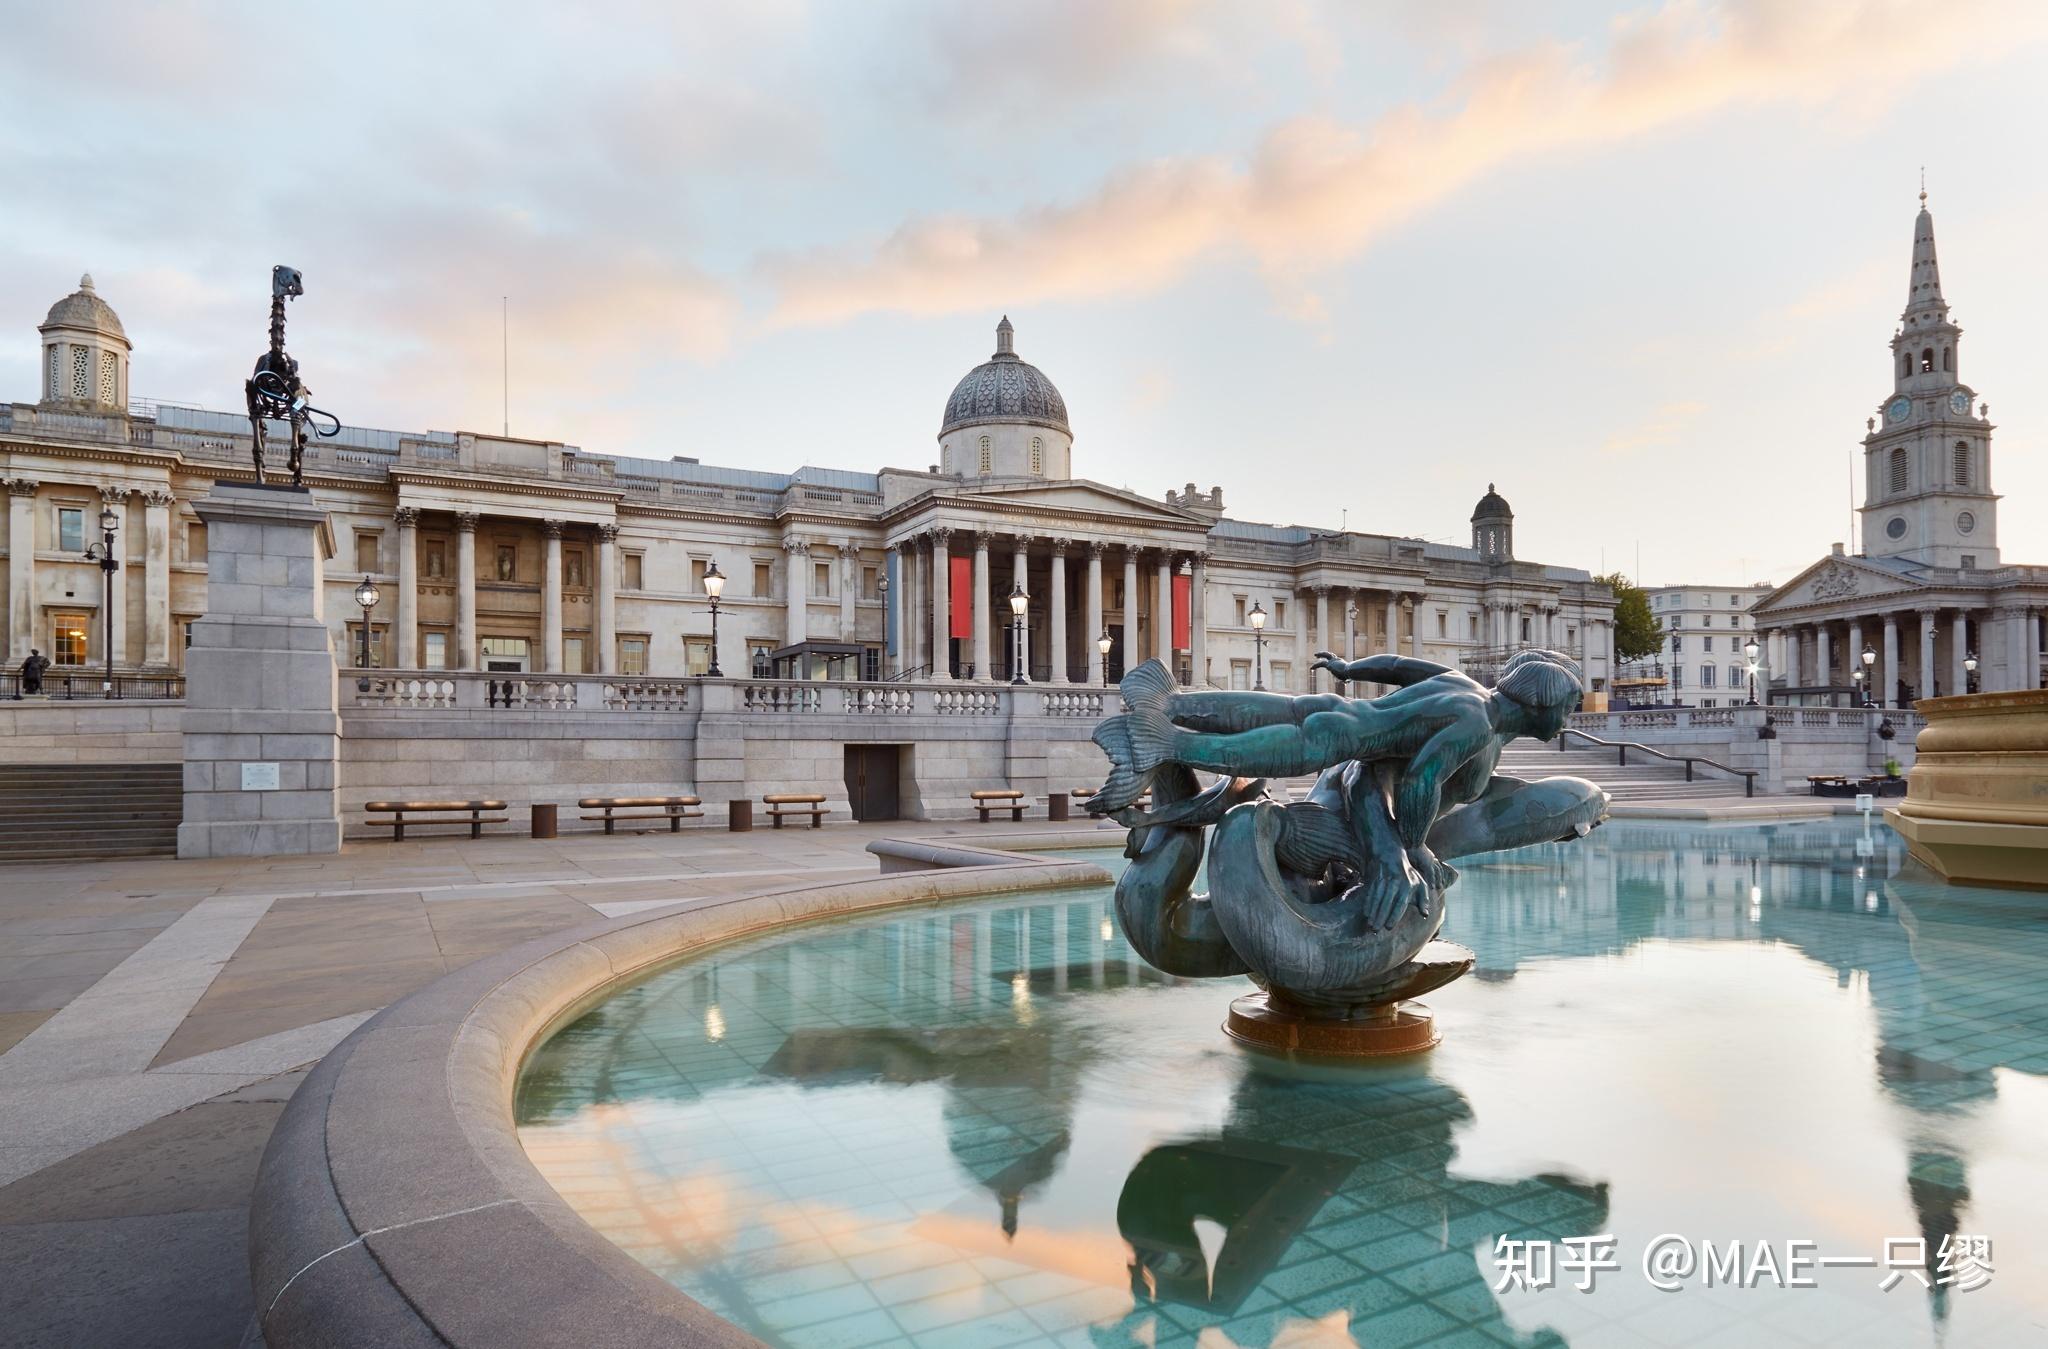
x=1662, y=431
x=1316, y=190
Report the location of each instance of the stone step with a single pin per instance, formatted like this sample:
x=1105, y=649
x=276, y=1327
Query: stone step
x=80, y=811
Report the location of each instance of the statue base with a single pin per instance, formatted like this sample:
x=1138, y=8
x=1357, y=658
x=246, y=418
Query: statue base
x=1379, y=1032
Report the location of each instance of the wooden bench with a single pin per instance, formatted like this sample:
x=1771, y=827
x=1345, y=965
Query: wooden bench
x=674, y=809
x=998, y=798
x=781, y=804
x=471, y=813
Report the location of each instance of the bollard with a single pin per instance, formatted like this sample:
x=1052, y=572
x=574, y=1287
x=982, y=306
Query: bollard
x=544, y=817
x=1056, y=806
x=739, y=816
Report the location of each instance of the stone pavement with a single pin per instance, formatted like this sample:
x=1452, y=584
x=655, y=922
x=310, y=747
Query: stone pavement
x=155, y=1015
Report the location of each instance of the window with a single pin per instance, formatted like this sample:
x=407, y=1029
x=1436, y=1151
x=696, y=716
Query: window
x=1897, y=470
x=633, y=564
x=68, y=638
x=354, y=654
x=1707, y=621
x=1280, y=614
x=1677, y=645
x=107, y=377
x=987, y=456
x=1926, y=360
x=1442, y=623
x=764, y=579
x=633, y=655
x=81, y=373
x=1038, y=455
x=572, y=656
x=1736, y=674
x=1280, y=675
x=870, y=583
x=1240, y=674
x=698, y=567
x=1706, y=676
x=505, y=655
x=1707, y=643
x=1525, y=627
x=1677, y=678
x=946, y=459
x=195, y=541
x=1734, y=600
x=1237, y=603
x=1905, y=364
x=366, y=551
x=1948, y=358
x=435, y=656
x=436, y=560
x=1959, y=463
x=758, y=652
x=71, y=529
x=1969, y=561
x=821, y=580
x=508, y=562
x=696, y=655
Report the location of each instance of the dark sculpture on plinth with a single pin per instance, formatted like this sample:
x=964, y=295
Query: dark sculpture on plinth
x=275, y=390
x=32, y=667
x=1331, y=904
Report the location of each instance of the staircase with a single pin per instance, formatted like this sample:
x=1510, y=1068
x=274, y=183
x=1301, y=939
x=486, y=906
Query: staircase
x=66, y=812
x=1645, y=780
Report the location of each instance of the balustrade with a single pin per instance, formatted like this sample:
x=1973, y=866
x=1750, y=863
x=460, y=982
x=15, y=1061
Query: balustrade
x=1074, y=703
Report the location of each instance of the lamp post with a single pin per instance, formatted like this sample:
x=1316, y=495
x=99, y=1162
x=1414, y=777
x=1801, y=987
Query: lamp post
x=367, y=597
x=1102, y=646
x=1258, y=621
x=1750, y=650
x=1856, y=682
x=1018, y=602
x=1675, y=675
x=714, y=586
x=1869, y=661
x=882, y=586
x=1969, y=669
x=103, y=553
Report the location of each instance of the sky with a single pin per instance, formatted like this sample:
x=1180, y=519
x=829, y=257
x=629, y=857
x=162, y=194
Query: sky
x=1637, y=264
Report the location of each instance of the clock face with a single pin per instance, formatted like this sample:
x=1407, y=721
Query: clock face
x=1898, y=409
x=1959, y=403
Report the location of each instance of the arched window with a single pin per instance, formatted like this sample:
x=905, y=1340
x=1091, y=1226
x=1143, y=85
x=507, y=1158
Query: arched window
x=1948, y=358
x=1926, y=359
x=946, y=460
x=1898, y=469
x=987, y=455
x=1038, y=455
x=1905, y=364
x=1959, y=463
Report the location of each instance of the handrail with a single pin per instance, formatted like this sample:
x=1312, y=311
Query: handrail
x=1622, y=747
x=908, y=676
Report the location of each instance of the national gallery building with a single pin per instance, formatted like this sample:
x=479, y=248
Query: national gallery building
x=497, y=554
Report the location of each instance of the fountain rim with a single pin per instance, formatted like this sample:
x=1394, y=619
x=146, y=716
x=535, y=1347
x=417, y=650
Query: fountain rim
x=395, y=1204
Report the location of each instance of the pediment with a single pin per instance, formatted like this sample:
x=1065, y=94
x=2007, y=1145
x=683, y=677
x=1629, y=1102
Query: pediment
x=1834, y=580
x=1077, y=497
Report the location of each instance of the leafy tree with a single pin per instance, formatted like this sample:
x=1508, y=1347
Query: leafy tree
x=1636, y=633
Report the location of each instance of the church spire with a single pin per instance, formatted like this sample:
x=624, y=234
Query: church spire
x=1924, y=303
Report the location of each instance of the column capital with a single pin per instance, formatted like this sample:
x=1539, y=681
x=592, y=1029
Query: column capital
x=608, y=533
x=795, y=545
x=465, y=522
x=1096, y=547
x=406, y=516
x=940, y=535
x=983, y=536
x=159, y=498
x=114, y=494
x=1198, y=557
x=552, y=527
x=21, y=487
x=1320, y=592
x=1059, y=545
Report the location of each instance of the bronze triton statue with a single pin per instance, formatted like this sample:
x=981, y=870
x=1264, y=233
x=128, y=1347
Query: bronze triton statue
x=275, y=391
x=1330, y=904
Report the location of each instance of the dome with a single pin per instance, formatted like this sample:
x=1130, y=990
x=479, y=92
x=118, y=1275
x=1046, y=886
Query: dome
x=1492, y=506
x=83, y=308
x=1005, y=388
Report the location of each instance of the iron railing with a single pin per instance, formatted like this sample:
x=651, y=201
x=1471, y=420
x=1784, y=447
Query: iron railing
x=68, y=687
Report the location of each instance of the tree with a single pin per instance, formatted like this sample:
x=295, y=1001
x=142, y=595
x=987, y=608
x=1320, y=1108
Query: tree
x=1636, y=634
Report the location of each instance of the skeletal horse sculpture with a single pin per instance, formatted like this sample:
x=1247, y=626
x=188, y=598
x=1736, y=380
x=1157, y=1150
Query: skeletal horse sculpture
x=275, y=391
x=1330, y=904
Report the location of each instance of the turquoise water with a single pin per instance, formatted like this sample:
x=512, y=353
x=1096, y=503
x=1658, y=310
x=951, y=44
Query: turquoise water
x=992, y=1124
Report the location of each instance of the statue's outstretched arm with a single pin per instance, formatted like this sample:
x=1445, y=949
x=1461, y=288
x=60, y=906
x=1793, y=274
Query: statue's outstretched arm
x=1384, y=669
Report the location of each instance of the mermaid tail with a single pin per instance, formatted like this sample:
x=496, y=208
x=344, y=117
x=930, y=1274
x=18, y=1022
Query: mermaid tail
x=1137, y=742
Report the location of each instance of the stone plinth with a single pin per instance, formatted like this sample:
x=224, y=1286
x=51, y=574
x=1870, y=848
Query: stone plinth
x=262, y=729
x=1976, y=807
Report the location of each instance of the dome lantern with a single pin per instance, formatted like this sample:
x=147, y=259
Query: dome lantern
x=85, y=353
x=1493, y=528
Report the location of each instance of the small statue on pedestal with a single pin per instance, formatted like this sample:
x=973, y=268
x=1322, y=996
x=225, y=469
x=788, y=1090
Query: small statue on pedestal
x=275, y=391
x=32, y=672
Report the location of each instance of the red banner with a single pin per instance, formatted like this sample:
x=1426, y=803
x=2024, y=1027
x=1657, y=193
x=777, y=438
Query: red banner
x=1183, y=613
x=960, y=594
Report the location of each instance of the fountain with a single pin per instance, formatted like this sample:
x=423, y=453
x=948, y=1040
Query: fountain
x=1330, y=904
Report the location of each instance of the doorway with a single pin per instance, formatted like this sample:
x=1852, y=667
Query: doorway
x=872, y=780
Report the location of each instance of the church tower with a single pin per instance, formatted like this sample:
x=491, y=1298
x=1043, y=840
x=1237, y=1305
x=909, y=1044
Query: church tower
x=1927, y=494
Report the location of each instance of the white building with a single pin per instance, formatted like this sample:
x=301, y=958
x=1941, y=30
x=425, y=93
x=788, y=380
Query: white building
x=1701, y=662
x=499, y=554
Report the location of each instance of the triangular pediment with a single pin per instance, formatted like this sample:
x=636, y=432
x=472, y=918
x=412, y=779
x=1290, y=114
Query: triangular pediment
x=1078, y=497
x=1836, y=579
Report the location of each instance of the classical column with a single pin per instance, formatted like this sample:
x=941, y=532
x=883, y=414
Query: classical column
x=1313, y=679
x=1853, y=660
x=1020, y=579
x=1198, y=620
x=551, y=600
x=156, y=580
x=1057, y=622
x=942, y=605
x=465, y=591
x=2015, y=649
x=1393, y=622
x=2034, y=650
x=1891, y=662
x=1092, y=609
x=1924, y=681
x=1302, y=654
x=917, y=611
x=899, y=595
x=1133, y=653
x=849, y=588
x=1824, y=658
x=405, y=647
x=1162, y=611
x=1413, y=605
x=796, y=587
x=21, y=569
x=607, y=600
x=116, y=500
x=982, y=669
x=1959, y=648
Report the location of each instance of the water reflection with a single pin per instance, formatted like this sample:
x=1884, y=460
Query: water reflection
x=995, y=1125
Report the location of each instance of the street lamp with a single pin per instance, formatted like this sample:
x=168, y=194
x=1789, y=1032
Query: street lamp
x=1869, y=660
x=714, y=586
x=1018, y=602
x=882, y=585
x=1969, y=667
x=103, y=553
x=367, y=597
x=1675, y=676
x=1258, y=619
x=1750, y=651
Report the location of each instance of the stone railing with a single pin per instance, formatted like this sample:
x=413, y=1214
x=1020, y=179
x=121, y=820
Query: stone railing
x=1627, y=724
x=1074, y=703
x=431, y=689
